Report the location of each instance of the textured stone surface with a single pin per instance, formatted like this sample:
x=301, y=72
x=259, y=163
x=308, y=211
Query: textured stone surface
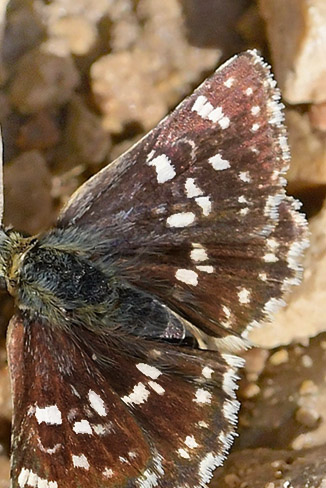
x=308, y=149
x=282, y=430
x=5, y=400
x=289, y=410
x=77, y=32
x=40, y=131
x=267, y=468
x=42, y=80
x=296, y=32
x=4, y=471
x=139, y=85
x=124, y=93
x=317, y=115
x=28, y=198
x=85, y=140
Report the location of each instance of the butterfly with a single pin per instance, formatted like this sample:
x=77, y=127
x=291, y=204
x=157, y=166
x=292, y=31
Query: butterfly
x=130, y=312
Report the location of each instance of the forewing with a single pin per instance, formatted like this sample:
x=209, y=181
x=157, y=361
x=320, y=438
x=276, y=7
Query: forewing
x=163, y=419
x=192, y=212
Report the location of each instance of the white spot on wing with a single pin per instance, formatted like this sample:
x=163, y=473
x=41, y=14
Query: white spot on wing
x=27, y=477
x=202, y=106
x=249, y=91
x=205, y=204
x=206, y=269
x=206, y=110
x=108, y=473
x=23, y=477
x=227, y=311
x=272, y=243
x=97, y=403
x=48, y=450
x=182, y=219
x=255, y=127
x=203, y=425
x=148, y=370
x=192, y=189
x=156, y=387
x=207, y=372
x=224, y=122
x=187, y=276
x=217, y=115
x=150, y=155
x=198, y=254
x=191, y=442
x=50, y=415
x=270, y=258
x=262, y=276
x=164, y=168
x=255, y=110
x=245, y=176
x=99, y=429
x=82, y=427
x=219, y=163
x=34, y=480
x=183, y=453
x=202, y=396
x=80, y=461
x=244, y=296
x=229, y=82
x=242, y=199
x=138, y=395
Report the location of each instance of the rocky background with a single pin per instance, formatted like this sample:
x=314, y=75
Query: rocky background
x=82, y=80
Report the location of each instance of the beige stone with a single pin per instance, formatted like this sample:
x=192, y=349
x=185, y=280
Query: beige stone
x=42, y=80
x=78, y=33
x=296, y=31
x=139, y=85
x=308, y=151
x=28, y=201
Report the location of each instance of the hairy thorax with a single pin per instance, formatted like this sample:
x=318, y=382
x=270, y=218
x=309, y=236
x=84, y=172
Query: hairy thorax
x=55, y=284
x=57, y=279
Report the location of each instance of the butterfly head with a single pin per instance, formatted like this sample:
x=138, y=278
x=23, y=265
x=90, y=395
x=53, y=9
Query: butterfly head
x=13, y=247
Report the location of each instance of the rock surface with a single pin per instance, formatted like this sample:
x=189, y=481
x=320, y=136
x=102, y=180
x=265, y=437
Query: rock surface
x=297, y=36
